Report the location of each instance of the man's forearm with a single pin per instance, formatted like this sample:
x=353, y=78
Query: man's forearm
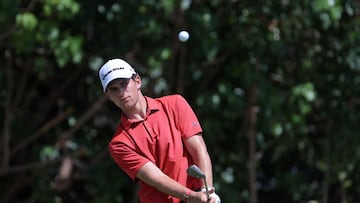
x=153, y=176
x=205, y=165
x=198, y=151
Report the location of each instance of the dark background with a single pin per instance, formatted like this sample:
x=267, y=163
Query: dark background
x=275, y=85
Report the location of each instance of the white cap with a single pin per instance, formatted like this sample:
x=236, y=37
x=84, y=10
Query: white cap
x=114, y=69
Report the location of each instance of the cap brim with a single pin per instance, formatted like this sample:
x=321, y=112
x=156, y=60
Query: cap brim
x=115, y=76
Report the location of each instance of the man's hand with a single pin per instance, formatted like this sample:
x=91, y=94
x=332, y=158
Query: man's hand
x=201, y=197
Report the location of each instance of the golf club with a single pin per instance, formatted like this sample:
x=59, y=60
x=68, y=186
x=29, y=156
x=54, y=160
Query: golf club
x=196, y=172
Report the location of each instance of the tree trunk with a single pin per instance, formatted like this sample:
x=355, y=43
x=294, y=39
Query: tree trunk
x=252, y=110
x=327, y=162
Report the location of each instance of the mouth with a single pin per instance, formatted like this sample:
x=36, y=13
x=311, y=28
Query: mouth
x=124, y=99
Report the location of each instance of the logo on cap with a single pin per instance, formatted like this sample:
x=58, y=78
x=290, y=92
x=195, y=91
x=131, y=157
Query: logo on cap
x=114, y=69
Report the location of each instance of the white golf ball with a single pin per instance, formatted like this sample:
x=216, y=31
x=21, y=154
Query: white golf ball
x=183, y=36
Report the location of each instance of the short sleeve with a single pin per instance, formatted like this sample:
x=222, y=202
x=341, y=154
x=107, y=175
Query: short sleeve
x=187, y=121
x=126, y=158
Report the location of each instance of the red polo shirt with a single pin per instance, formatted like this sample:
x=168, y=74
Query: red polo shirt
x=159, y=139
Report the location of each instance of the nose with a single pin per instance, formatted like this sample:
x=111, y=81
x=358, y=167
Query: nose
x=120, y=91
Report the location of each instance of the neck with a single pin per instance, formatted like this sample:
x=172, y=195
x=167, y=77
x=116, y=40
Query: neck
x=138, y=112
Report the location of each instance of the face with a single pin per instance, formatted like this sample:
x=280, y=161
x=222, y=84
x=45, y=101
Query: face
x=124, y=92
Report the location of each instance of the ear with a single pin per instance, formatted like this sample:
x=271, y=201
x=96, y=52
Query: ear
x=138, y=81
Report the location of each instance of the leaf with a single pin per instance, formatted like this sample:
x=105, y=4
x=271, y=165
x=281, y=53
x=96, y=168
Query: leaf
x=27, y=21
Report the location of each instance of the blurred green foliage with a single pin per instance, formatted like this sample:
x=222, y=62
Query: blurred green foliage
x=302, y=57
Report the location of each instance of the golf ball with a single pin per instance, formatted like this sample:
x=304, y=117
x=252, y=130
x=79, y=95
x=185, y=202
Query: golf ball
x=183, y=36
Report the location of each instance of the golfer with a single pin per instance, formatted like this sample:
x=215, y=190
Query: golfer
x=156, y=140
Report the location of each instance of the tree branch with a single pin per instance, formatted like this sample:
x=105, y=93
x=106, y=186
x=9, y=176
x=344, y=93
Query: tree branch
x=327, y=149
x=10, y=31
x=24, y=167
x=46, y=105
x=8, y=112
x=251, y=112
x=212, y=69
x=21, y=87
x=20, y=182
x=84, y=118
x=41, y=131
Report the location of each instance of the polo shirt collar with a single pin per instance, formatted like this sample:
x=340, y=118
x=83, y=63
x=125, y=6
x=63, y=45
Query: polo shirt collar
x=152, y=106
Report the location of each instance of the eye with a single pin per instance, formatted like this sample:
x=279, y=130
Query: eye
x=124, y=83
x=119, y=85
x=112, y=88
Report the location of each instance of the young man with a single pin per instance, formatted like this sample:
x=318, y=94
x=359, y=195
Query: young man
x=156, y=140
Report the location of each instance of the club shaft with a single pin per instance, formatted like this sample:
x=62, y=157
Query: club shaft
x=206, y=188
x=194, y=171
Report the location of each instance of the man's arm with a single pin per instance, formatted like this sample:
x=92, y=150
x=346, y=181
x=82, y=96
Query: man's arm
x=197, y=148
x=153, y=176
